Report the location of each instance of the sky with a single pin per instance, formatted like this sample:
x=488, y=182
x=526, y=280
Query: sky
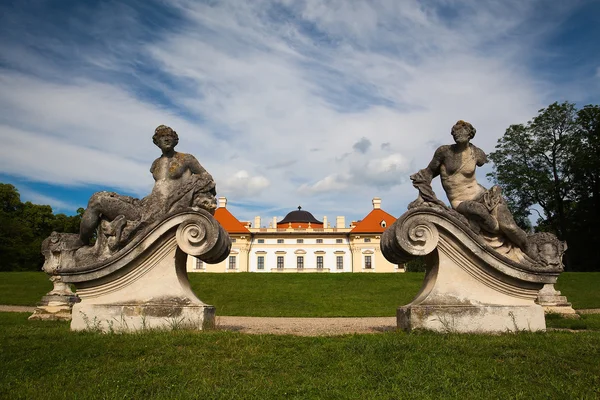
x=323, y=104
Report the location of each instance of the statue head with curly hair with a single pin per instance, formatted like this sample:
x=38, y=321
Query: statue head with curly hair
x=163, y=130
x=463, y=125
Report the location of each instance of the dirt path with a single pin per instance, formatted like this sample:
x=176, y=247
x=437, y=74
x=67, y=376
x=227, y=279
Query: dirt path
x=297, y=326
x=306, y=326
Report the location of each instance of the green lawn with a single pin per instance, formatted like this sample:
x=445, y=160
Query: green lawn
x=44, y=360
x=581, y=288
x=307, y=295
x=301, y=295
x=23, y=288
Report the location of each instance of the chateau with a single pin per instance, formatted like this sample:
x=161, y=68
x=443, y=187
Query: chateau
x=301, y=243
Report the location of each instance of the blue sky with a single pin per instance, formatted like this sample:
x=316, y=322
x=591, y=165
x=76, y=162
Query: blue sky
x=319, y=103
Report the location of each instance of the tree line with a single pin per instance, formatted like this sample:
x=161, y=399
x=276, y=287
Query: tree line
x=23, y=227
x=551, y=166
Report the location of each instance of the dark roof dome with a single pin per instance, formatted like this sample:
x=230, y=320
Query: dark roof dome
x=299, y=216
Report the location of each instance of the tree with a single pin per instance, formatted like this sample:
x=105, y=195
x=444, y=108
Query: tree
x=551, y=162
x=23, y=227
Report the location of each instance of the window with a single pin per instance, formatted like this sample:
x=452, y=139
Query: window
x=368, y=264
x=319, y=262
x=299, y=240
x=260, y=262
x=232, y=240
x=339, y=262
x=319, y=241
x=261, y=240
x=339, y=240
x=232, y=262
x=367, y=240
x=383, y=224
x=279, y=262
x=199, y=264
x=279, y=241
x=300, y=262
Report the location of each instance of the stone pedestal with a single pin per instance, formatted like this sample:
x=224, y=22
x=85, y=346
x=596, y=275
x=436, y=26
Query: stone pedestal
x=471, y=319
x=468, y=287
x=136, y=317
x=554, y=303
x=146, y=285
x=57, y=304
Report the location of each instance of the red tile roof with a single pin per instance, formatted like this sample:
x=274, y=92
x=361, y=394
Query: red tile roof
x=229, y=222
x=372, y=222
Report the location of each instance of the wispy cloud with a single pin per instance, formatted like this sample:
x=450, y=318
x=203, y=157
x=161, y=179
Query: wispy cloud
x=325, y=102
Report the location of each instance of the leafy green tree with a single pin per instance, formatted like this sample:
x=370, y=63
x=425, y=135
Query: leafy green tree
x=23, y=227
x=552, y=163
x=531, y=164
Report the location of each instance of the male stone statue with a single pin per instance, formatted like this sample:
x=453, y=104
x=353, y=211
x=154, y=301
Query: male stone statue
x=485, y=209
x=180, y=182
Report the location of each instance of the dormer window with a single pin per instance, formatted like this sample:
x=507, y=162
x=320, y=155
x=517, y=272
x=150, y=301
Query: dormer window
x=383, y=224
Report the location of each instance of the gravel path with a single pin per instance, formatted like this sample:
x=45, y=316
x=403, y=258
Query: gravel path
x=297, y=326
x=306, y=326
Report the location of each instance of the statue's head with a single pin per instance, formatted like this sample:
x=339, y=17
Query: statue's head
x=163, y=130
x=549, y=248
x=464, y=125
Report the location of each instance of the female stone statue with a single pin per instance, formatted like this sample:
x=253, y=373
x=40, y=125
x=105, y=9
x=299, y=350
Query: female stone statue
x=180, y=182
x=456, y=164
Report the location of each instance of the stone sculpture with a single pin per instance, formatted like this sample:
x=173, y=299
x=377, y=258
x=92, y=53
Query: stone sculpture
x=484, y=272
x=134, y=275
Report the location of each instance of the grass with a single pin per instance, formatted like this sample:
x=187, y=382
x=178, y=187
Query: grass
x=301, y=295
x=586, y=321
x=23, y=288
x=581, y=288
x=307, y=295
x=42, y=360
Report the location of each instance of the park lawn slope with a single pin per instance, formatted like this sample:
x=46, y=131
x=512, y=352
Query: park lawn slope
x=306, y=295
x=43, y=360
x=23, y=288
x=301, y=295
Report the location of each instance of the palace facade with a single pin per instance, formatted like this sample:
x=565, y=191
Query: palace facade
x=300, y=243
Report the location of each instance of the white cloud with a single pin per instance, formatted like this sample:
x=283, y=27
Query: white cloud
x=253, y=91
x=241, y=184
x=57, y=205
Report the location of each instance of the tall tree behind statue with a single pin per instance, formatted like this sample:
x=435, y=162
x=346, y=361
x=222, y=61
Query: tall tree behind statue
x=552, y=163
x=23, y=227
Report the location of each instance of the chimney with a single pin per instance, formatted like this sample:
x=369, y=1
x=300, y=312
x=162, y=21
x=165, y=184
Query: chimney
x=257, y=222
x=223, y=202
x=340, y=222
x=376, y=203
x=274, y=222
x=325, y=222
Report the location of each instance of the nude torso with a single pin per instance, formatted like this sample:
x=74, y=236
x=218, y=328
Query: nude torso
x=168, y=172
x=457, y=173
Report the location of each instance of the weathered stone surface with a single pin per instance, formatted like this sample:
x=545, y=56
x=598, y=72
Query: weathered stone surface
x=483, y=272
x=146, y=286
x=553, y=302
x=467, y=282
x=57, y=304
x=134, y=277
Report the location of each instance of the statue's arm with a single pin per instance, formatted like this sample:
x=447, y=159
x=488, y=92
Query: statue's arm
x=198, y=169
x=195, y=167
x=153, y=166
x=480, y=156
x=422, y=179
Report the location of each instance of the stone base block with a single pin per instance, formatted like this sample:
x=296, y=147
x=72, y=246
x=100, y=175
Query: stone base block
x=55, y=307
x=565, y=310
x=471, y=319
x=52, y=313
x=140, y=317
